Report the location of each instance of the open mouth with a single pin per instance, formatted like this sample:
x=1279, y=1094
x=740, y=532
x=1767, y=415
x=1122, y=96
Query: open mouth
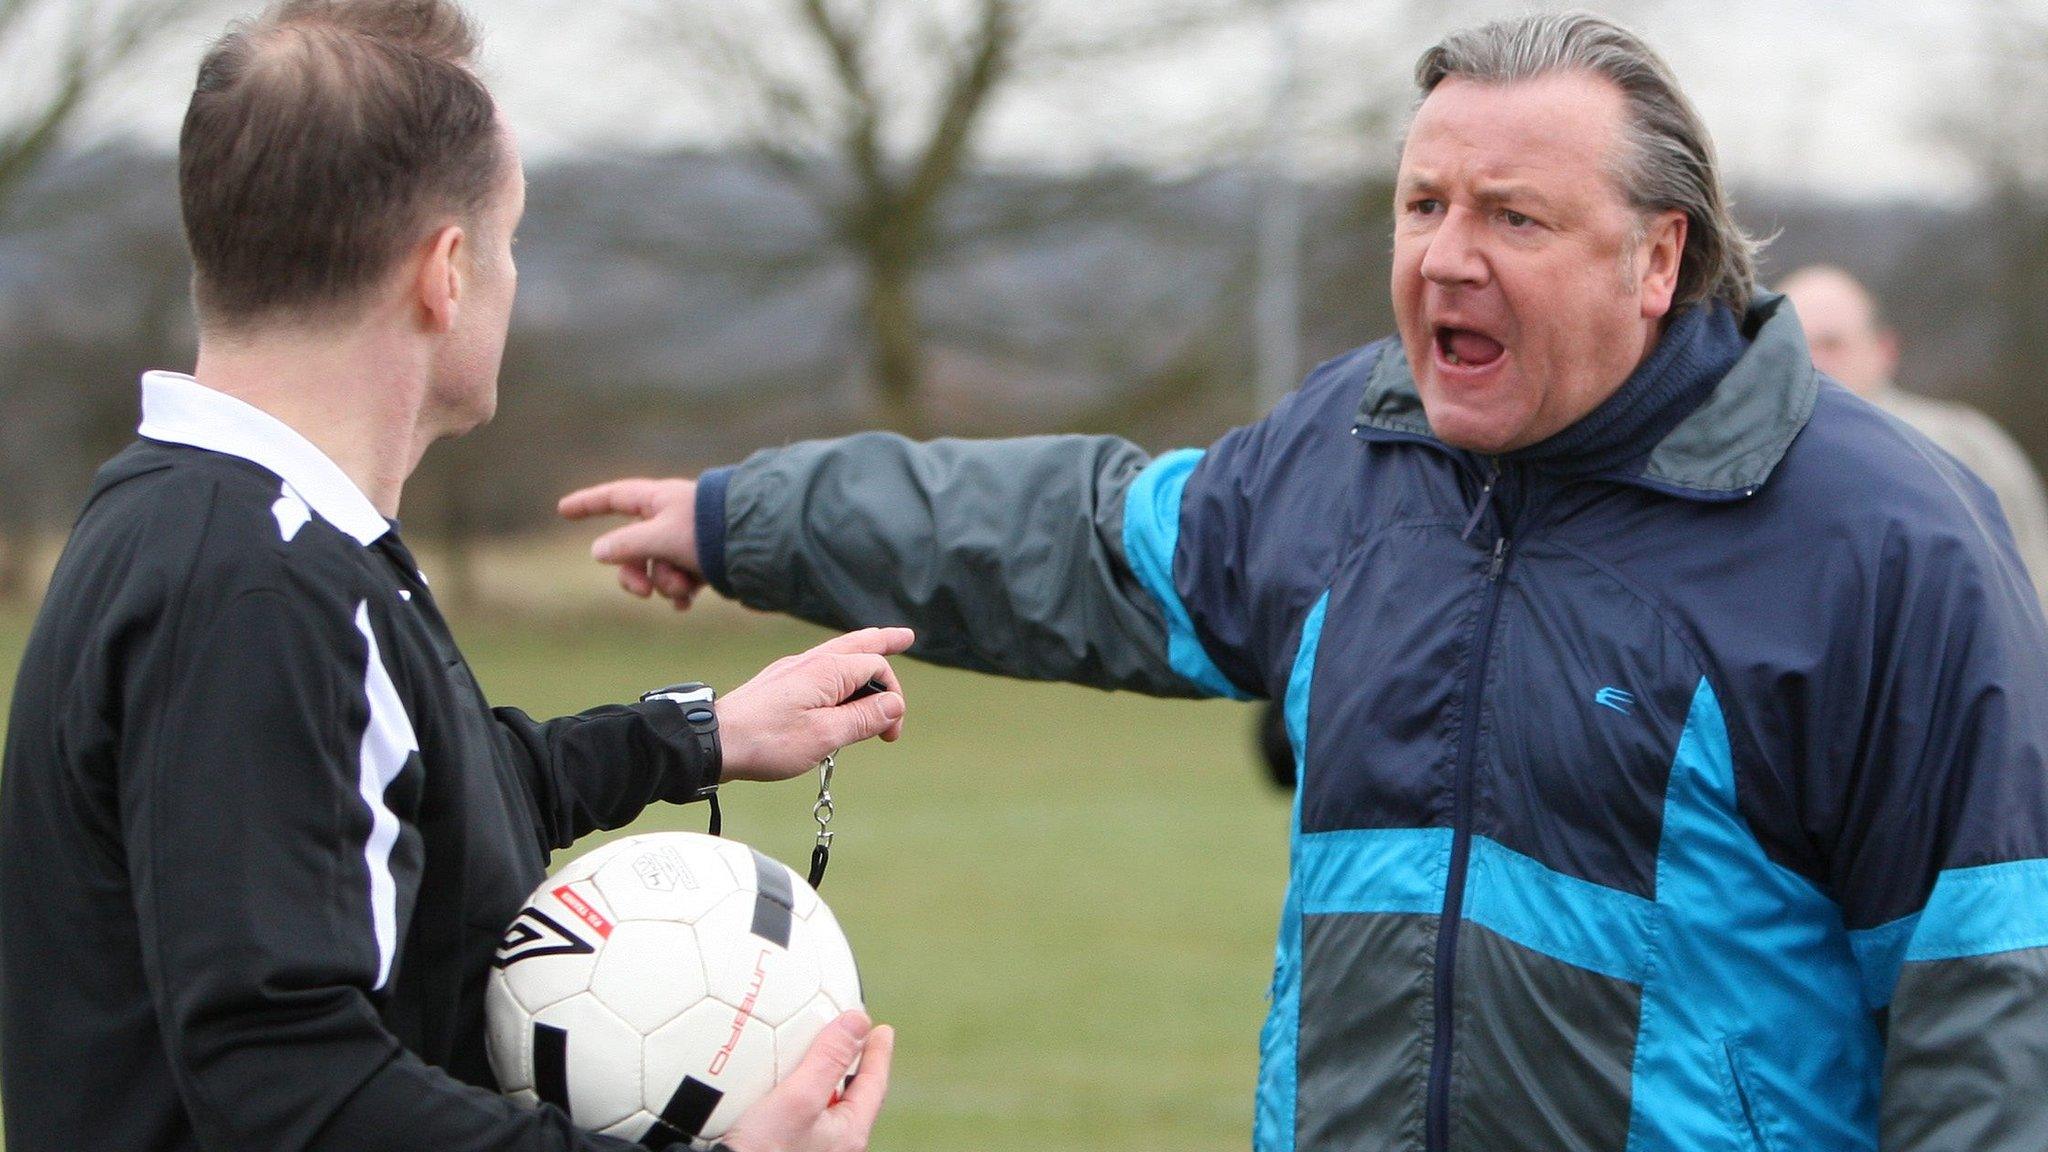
x=1464, y=348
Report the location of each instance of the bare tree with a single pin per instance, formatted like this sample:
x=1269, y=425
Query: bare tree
x=872, y=110
x=59, y=53
x=56, y=54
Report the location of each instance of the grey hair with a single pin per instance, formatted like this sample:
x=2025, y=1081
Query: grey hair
x=1672, y=163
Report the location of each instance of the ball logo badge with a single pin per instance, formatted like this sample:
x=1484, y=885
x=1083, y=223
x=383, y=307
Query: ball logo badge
x=664, y=870
x=535, y=933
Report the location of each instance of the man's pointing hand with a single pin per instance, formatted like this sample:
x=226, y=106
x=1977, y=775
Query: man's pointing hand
x=656, y=553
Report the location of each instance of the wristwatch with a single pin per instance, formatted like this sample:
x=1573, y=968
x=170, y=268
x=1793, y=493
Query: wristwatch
x=695, y=698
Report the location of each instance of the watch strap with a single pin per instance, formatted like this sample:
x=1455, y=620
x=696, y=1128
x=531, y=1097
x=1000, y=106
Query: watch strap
x=695, y=700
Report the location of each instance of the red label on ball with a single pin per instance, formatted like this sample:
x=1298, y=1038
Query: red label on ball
x=584, y=911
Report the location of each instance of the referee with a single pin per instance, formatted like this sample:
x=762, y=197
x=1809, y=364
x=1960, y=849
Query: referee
x=259, y=830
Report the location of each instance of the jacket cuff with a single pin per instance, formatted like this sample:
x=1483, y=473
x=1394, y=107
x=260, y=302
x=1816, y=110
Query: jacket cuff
x=711, y=488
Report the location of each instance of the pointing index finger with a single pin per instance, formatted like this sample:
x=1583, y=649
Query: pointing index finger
x=870, y=641
x=616, y=498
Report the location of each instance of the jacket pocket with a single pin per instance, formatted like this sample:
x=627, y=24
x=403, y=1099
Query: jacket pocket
x=1748, y=1117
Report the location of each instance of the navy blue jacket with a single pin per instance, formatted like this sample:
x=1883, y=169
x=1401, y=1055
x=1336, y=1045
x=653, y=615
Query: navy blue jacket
x=1676, y=785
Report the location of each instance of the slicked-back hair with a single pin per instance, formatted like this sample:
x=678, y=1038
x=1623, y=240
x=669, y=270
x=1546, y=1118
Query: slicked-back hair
x=1670, y=161
x=324, y=139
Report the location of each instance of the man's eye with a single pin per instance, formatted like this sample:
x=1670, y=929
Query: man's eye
x=1515, y=219
x=1426, y=207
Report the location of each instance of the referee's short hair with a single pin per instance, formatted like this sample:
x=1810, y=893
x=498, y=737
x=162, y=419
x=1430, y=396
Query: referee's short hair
x=324, y=140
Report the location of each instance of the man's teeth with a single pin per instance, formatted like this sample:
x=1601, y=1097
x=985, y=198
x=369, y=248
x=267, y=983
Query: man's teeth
x=1452, y=357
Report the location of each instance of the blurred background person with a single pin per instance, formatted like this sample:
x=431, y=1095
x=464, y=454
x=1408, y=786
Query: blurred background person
x=1851, y=342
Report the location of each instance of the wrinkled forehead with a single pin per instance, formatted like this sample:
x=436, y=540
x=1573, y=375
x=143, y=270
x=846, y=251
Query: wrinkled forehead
x=1564, y=126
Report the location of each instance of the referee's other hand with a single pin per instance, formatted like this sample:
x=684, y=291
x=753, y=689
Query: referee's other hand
x=793, y=714
x=808, y=1112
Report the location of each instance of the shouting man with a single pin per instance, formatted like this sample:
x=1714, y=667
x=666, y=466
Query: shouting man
x=1659, y=789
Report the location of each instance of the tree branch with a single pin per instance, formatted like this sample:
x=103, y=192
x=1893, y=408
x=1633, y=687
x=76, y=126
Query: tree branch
x=967, y=95
x=11, y=12
x=862, y=135
x=92, y=50
x=1151, y=31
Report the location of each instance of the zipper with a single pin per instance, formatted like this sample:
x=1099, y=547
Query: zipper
x=1438, y=1118
x=1484, y=502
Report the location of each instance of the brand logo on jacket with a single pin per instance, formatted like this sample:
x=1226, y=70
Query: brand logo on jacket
x=1615, y=698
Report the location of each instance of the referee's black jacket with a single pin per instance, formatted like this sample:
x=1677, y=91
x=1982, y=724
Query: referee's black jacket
x=259, y=830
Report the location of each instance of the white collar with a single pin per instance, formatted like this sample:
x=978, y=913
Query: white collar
x=176, y=409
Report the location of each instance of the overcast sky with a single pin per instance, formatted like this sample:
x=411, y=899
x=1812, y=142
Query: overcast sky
x=1833, y=95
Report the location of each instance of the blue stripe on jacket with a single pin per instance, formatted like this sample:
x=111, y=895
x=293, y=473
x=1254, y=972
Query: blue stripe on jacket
x=1976, y=911
x=1746, y=1007
x=1273, y=1119
x=1151, y=533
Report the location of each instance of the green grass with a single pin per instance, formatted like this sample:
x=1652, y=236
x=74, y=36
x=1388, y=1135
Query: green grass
x=1063, y=899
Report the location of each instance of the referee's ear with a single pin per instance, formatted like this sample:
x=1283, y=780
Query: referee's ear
x=438, y=279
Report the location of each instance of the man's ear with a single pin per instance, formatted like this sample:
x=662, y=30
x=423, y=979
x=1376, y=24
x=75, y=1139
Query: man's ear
x=1661, y=252
x=439, y=287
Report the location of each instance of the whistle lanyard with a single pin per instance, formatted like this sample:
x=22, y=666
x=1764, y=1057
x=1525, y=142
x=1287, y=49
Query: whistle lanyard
x=821, y=852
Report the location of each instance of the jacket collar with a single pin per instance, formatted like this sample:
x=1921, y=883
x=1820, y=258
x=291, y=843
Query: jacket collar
x=176, y=409
x=1724, y=449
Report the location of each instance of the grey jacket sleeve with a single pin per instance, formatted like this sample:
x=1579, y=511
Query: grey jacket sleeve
x=1006, y=555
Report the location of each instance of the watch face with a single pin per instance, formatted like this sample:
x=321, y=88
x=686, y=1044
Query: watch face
x=691, y=693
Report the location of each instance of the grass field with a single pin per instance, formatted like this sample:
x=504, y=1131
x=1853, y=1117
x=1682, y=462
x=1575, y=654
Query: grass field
x=1063, y=899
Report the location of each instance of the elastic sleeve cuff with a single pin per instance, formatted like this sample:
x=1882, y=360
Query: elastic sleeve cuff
x=711, y=488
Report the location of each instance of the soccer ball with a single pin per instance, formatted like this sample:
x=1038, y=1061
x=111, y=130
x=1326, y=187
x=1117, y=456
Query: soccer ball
x=657, y=986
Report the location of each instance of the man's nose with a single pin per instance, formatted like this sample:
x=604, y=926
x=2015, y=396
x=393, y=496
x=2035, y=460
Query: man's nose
x=1455, y=256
